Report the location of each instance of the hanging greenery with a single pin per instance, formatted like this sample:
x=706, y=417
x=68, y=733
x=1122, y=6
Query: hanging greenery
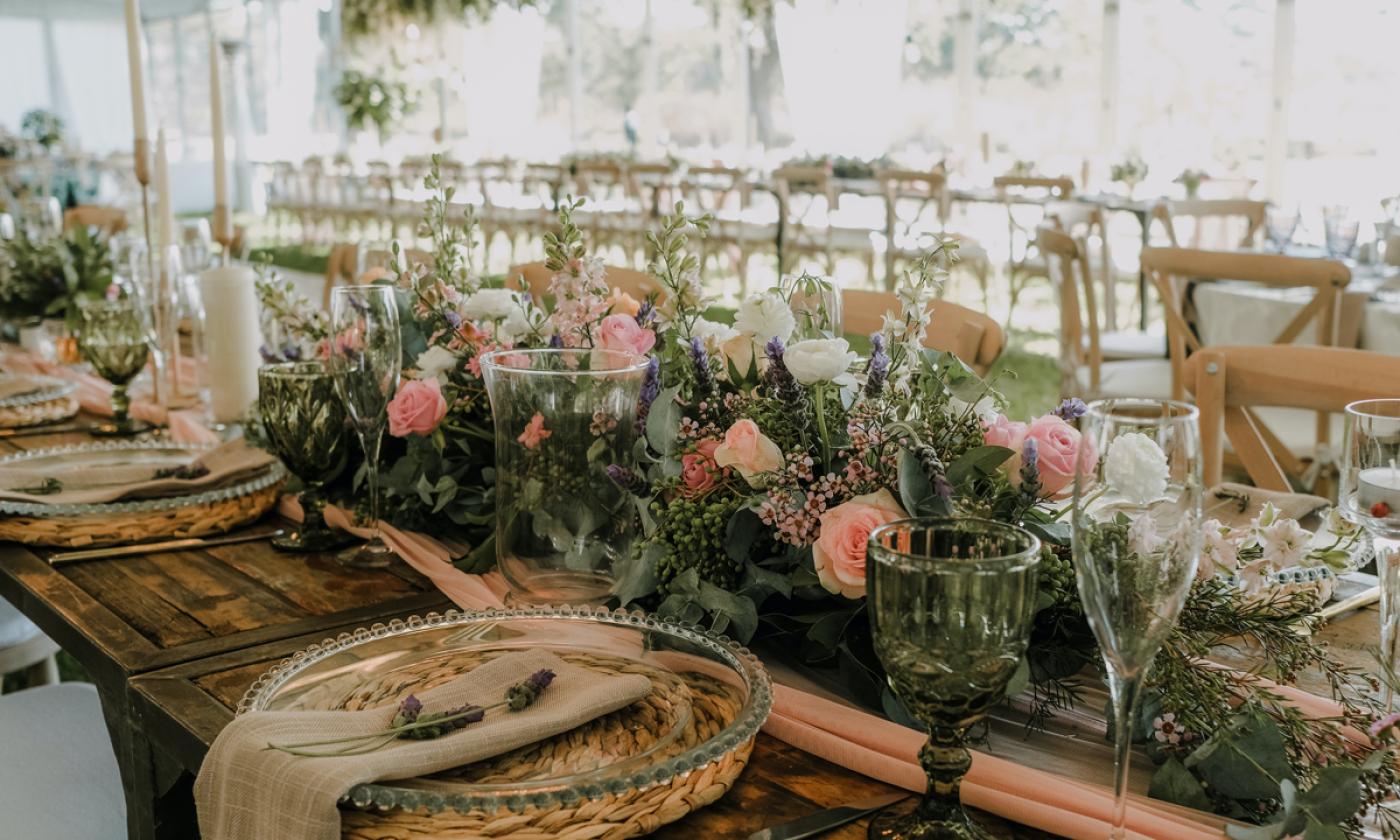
x=364, y=17
x=373, y=101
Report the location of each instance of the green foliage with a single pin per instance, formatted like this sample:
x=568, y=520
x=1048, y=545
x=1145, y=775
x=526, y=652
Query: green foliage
x=692, y=535
x=373, y=101
x=366, y=17
x=44, y=278
x=43, y=127
x=565, y=247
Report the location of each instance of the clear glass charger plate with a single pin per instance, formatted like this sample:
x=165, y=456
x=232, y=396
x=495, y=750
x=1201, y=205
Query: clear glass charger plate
x=46, y=389
x=709, y=697
x=73, y=460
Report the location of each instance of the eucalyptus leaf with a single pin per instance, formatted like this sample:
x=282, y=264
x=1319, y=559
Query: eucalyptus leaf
x=1245, y=760
x=596, y=449
x=1334, y=797
x=916, y=491
x=1174, y=783
x=664, y=421
x=977, y=462
x=740, y=533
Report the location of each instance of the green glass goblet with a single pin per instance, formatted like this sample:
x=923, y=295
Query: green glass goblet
x=114, y=337
x=951, y=603
x=304, y=420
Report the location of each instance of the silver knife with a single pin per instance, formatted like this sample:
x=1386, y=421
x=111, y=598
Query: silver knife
x=813, y=824
x=57, y=429
x=65, y=557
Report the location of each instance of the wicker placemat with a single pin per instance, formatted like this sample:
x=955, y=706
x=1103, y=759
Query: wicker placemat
x=34, y=414
x=687, y=708
x=96, y=529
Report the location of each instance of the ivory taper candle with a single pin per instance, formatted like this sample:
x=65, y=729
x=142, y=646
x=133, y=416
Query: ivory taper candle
x=223, y=229
x=165, y=236
x=232, y=336
x=133, y=61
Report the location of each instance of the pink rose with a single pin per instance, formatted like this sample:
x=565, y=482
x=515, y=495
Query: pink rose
x=698, y=468
x=417, y=408
x=839, y=552
x=1000, y=431
x=749, y=451
x=622, y=332
x=1057, y=451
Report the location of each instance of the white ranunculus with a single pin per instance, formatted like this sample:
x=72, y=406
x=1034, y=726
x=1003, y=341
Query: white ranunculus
x=712, y=333
x=489, y=304
x=1136, y=467
x=435, y=362
x=765, y=317
x=821, y=360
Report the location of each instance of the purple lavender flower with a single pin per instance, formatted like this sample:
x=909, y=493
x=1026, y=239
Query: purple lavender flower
x=291, y=352
x=556, y=342
x=645, y=313
x=651, y=386
x=781, y=383
x=523, y=694
x=877, y=368
x=943, y=487
x=704, y=378
x=408, y=711
x=453, y=319
x=627, y=479
x=1071, y=409
x=541, y=679
x=1030, y=472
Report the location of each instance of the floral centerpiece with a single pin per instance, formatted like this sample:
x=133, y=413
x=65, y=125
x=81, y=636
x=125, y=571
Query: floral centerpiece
x=44, y=278
x=766, y=457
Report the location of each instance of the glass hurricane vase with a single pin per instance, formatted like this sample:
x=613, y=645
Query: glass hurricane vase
x=951, y=603
x=305, y=424
x=566, y=425
x=114, y=336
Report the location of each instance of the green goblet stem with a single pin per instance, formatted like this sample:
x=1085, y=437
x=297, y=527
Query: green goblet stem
x=945, y=761
x=121, y=407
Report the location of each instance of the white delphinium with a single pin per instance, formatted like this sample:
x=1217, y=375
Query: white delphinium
x=1136, y=467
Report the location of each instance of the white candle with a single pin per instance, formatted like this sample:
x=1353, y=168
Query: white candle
x=232, y=337
x=1379, y=485
x=133, y=60
x=166, y=235
x=223, y=230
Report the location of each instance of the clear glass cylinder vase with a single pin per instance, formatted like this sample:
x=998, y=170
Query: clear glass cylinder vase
x=566, y=428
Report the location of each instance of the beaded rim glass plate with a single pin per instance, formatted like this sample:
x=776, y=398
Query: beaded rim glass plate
x=50, y=389
x=271, y=476
x=335, y=658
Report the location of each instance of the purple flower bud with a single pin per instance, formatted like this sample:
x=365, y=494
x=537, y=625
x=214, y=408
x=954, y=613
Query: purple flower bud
x=410, y=708
x=877, y=368
x=269, y=356
x=627, y=479
x=645, y=313
x=556, y=342
x=1071, y=409
x=1030, y=454
x=651, y=386
x=541, y=679
x=704, y=378
x=453, y=319
x=291, y=352
x=943, y=487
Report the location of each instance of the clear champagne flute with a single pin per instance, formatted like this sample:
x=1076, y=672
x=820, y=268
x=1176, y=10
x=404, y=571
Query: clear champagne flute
x=1369, y=495
x=365, y=358
x=1137, y=540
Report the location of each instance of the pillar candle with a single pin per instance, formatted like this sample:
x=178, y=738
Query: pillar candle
x=222, y=228
x=166, y=232
x=133, y=60
x=232, y=337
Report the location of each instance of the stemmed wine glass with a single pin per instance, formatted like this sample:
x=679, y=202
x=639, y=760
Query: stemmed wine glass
x=1370, y=496
x=114, y=336
x=1339, y=231
x=951, y=604
x=365, y=357
x=1280, y=223
x=1137, y=540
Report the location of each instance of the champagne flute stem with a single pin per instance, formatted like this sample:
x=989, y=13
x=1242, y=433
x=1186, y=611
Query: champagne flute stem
x=370, y=441
x=1126, y=691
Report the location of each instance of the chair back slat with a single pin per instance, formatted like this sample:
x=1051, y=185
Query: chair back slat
x=966, y=333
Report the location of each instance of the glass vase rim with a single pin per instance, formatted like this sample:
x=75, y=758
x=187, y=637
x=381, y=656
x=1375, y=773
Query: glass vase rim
x=1355, y=408
x=1013, y=561
x=362, y=287
x=297, y=369
x=638, y=362
x=1112, y=408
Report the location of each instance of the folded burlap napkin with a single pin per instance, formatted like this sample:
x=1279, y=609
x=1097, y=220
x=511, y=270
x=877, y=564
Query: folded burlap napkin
x=228, y=464
x=1236, y=505
x=246, y=791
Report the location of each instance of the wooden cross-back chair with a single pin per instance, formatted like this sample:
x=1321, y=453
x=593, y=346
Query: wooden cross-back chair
x=916, y=213
x=966, y=333
x=638, y=284
x=1022, y=261
x=1088, y=366
x=609, y=214
x=109, y=220
x=805, y=199
x=1232, y=214
x=723, y=192
x=1231, y=382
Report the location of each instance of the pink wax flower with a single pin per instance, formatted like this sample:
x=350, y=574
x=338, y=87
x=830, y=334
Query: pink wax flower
x=417, y=408
x=534, y=432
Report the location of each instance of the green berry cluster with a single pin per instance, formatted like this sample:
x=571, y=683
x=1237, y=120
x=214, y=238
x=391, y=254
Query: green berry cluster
x=692, y=533
x=1056, y=576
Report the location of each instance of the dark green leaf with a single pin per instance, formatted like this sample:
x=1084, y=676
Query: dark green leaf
x=1174, y=783
x=1246, y=760
x=1318, y=831
x=664, y=421
x=916, y=491
x=976, y=462
x=1335, y=797
x=740, y=533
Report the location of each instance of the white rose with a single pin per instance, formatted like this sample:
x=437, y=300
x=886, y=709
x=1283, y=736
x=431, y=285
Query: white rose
x=765, y=317
x=1136, y=467
x=712, y=334
x=489, y=304
x=435, y=362
x=821, y=360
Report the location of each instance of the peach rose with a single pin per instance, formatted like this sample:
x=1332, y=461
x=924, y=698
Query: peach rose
x=1057, y=451
x=625, y=304
x=698, y=468
x=749, y=451
x=622, y=332
x=839, y=552
x=417, y=408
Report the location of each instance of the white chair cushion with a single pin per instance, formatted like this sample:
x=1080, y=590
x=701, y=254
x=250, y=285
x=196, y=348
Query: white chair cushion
x=1146, y=378
x=15, y=629
x=58, y=775
x=1132, y=345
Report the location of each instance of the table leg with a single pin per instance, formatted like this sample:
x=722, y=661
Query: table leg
x=1144, y=225
x=133, y=753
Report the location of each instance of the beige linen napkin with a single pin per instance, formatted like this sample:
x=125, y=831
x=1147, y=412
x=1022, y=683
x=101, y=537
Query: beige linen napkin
x=248, y=792
x=1223, y=503
x=13, y=386
x=228, y=464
